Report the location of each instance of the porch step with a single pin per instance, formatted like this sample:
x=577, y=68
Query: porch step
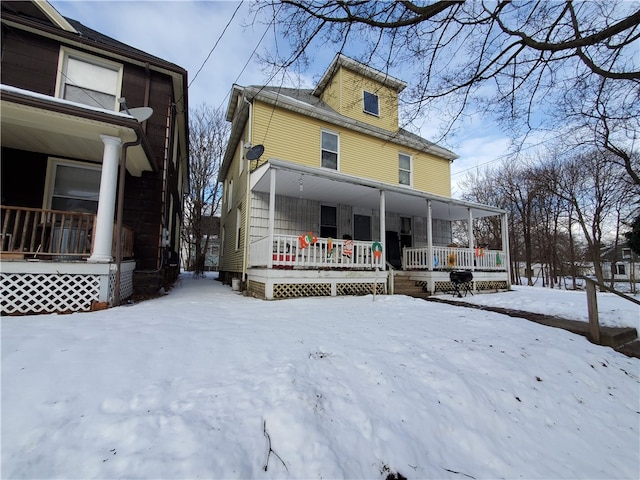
x=406, y=286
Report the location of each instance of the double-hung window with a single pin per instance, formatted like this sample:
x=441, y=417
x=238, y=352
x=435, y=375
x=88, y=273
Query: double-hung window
x=371, y=103
x=329, y=150
x=404, y=169
x=89, y=80
x=73, y=186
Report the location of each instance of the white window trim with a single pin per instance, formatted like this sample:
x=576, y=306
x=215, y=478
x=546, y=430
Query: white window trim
x=324, y=130
x=410, y=169
x=229, y=194
x=52, y=164
x=99, y=61
x=238, y=228
x=364, y=107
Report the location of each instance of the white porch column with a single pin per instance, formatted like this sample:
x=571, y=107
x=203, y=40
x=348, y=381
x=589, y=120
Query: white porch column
x=471, y=239
x=429, y=236
x=383, y=228
x=106, y=201
x=272, y=214
x=505, y=247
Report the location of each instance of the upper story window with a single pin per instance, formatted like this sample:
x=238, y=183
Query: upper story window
x=404, y=169
x=89, y=80
x=371, y=103
x=329, y=150
x=73, y=186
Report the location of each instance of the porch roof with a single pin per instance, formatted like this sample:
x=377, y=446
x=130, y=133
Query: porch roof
x=328, y=186
x=53, y=126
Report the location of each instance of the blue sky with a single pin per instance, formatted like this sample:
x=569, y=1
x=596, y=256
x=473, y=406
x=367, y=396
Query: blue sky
x=185, y=32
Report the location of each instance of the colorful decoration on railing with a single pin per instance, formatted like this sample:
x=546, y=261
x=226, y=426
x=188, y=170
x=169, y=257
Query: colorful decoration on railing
x=435, y=261
x=307, y=239
x=347, y=250
x=376, y=248
x=452, y=259
x=329, y=247
x=479, y=252
x=498, y=260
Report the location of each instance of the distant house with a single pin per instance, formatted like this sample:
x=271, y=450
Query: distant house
x=621, y=264
x=210, y=229
x=324, y=194
x=94, y=165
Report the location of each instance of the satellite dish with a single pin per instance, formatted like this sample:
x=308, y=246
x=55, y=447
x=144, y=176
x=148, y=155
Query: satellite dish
x=140, y=113
x=255, y=153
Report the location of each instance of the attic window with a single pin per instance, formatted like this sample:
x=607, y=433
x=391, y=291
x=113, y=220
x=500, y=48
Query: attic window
x=371, y=103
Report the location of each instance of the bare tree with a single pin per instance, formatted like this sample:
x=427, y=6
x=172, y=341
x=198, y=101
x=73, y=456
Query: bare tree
x=566, y=66
x=208, y=134
x=590, y=182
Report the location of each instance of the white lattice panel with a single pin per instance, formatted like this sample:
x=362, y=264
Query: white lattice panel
x=27, y=293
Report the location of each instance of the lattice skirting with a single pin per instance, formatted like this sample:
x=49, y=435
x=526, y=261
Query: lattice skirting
x=480, y=285
x=359, y=288
x=292, y=290
x=126, y=285
x=29, y=293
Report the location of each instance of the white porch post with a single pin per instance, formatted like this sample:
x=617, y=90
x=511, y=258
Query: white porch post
x=429, y=236
x=505, y=247
x=383, y=228
x=106, y=201
x=471, y=239
x=272, y=214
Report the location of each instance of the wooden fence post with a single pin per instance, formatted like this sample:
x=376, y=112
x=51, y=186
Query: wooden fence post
x=592, y=307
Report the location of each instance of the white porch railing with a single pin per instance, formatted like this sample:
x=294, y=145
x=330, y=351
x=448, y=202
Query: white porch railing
x=288, y=251
x=419, y=258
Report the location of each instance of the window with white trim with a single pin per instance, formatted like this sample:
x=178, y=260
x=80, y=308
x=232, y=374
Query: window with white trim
x=619, y=269
x=72, y=186
x=329, y=150
x=89, y=80
x=371, y=103
x=229, y=195
x=404, y=169
x=238, y=227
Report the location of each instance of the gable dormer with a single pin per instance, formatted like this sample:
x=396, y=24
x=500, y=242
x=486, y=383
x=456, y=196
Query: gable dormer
x=361, y=92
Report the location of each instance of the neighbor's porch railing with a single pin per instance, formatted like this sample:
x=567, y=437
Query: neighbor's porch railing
x=53, y=234
x=287, y=251
x=420, y=258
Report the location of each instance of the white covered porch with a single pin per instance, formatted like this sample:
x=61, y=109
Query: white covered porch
x=281, y=263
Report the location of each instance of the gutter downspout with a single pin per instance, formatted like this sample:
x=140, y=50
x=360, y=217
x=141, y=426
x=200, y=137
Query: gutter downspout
x=121, y=180
x=247, y=209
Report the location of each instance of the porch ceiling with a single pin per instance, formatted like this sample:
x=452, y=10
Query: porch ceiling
x=332, y=187
x=61, y=129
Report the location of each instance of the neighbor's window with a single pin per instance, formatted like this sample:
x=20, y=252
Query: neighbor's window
x=73, y=186
x=371, y=103
x=619, y=269
x=89, y=80
x=328, y=221
x=329, y=150
x=404, y=169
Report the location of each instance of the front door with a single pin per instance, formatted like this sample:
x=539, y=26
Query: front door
x=392, y=246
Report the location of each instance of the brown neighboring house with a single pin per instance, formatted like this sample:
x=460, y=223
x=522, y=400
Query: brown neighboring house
x=94, y=165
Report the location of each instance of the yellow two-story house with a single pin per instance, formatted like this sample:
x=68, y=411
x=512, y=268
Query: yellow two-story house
x=324, y=194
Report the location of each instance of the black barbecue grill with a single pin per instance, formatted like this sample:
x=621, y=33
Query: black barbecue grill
x=462, y=282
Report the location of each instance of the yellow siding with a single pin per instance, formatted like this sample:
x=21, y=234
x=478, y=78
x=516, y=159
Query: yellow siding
x=293, y=137
x=332, y=93
x=345, y=95
x=232, y=258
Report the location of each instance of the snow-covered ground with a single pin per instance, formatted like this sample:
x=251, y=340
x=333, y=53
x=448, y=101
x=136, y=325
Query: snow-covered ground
x=572, y=305
x=206, y=383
